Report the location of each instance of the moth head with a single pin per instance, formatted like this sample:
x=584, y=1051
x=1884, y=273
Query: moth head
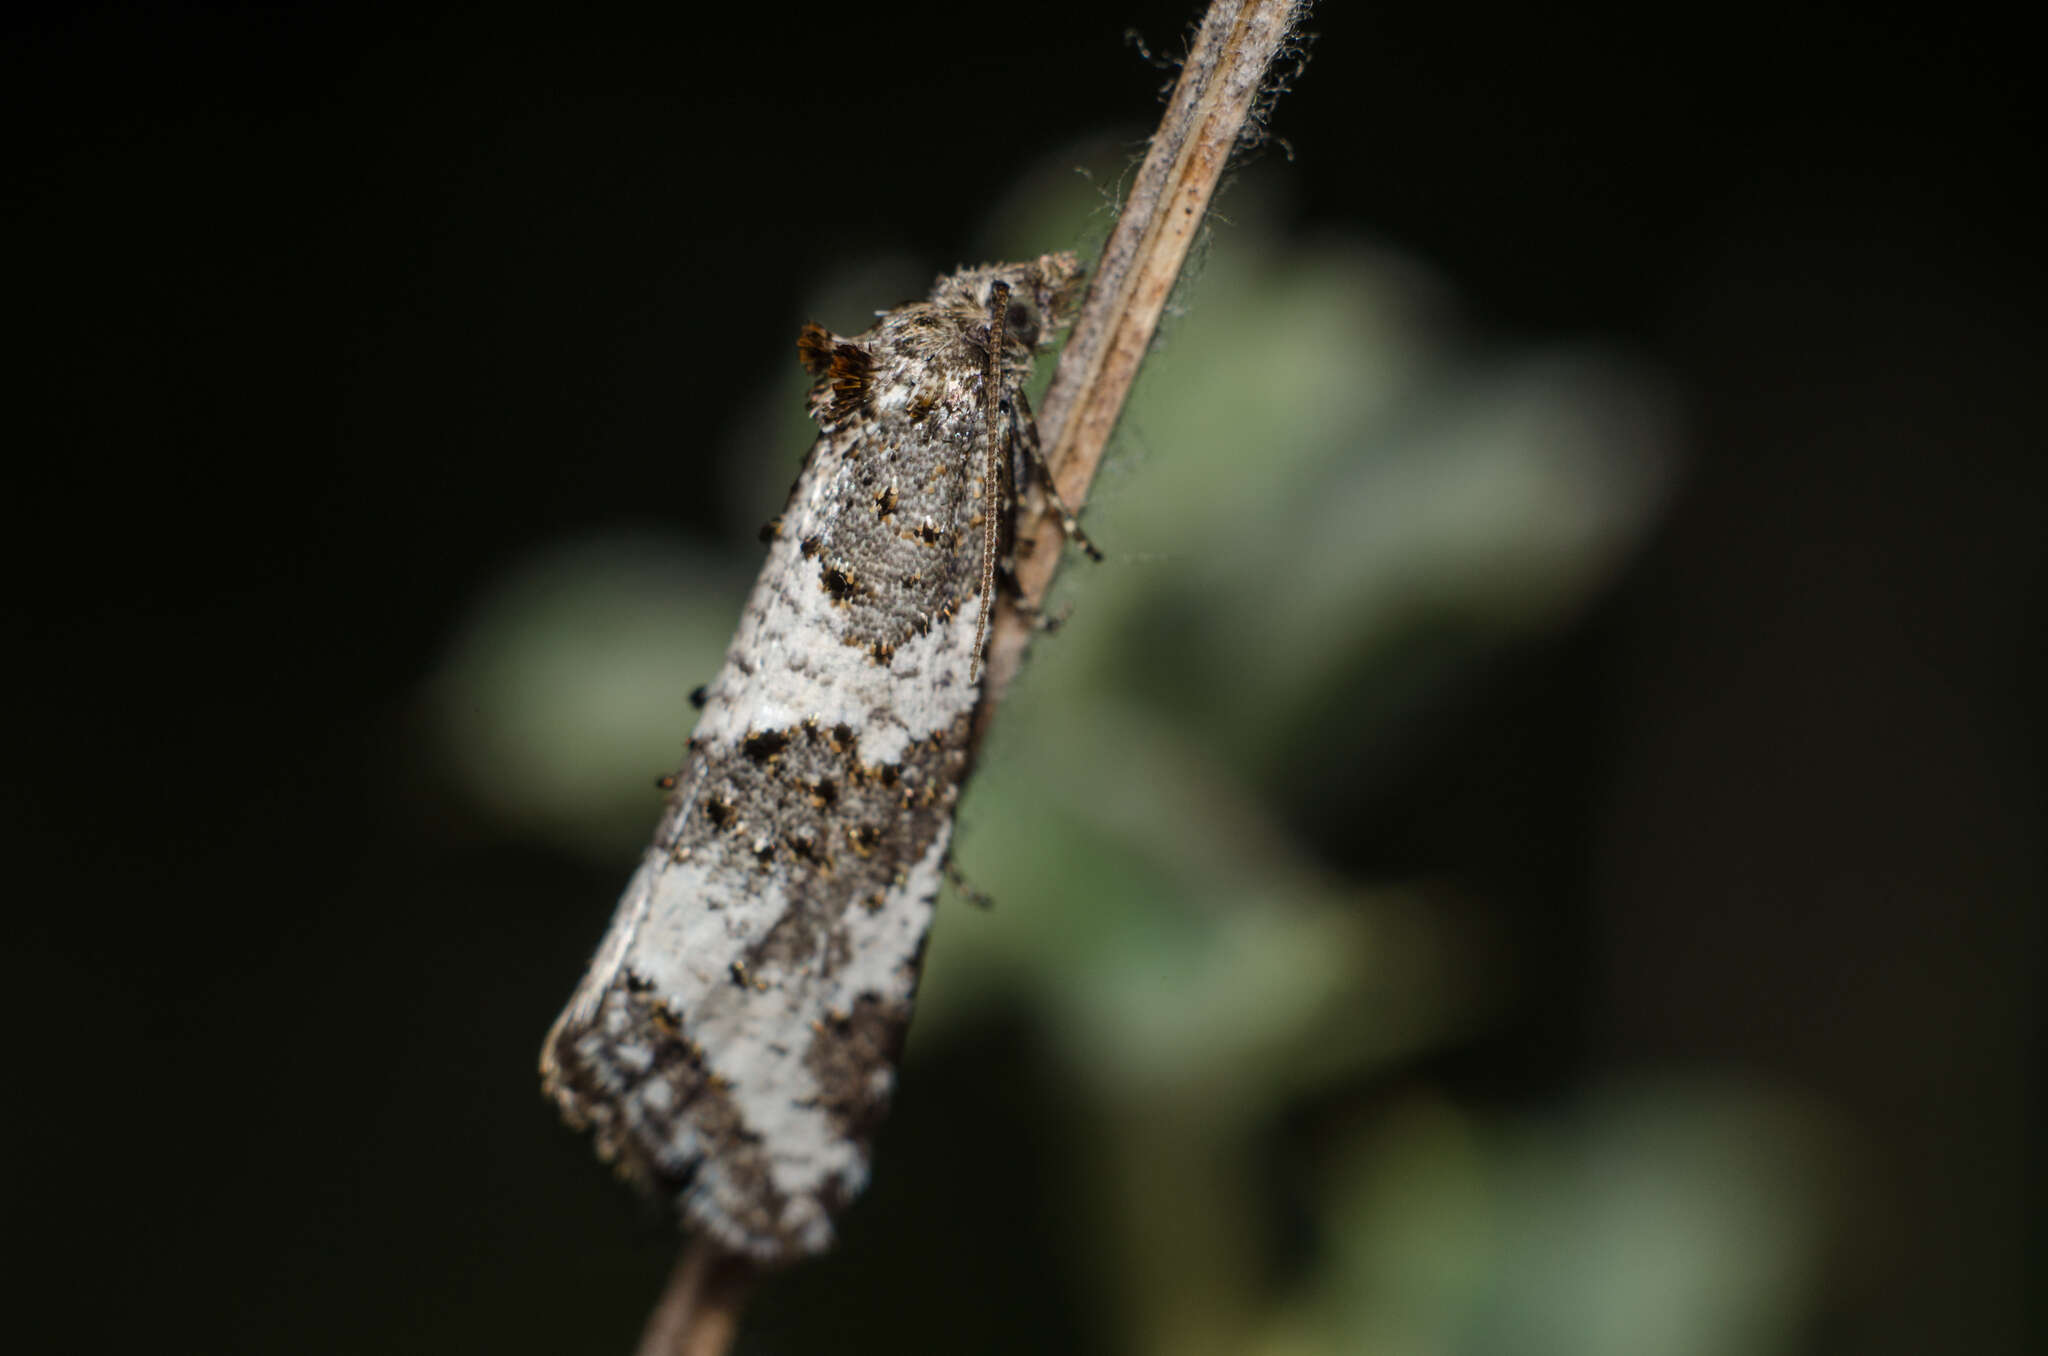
x=1021, y=323
x=1042, y=297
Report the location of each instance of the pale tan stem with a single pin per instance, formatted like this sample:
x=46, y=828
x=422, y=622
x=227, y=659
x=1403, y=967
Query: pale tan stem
x=698, y=1313
x=1218, y=88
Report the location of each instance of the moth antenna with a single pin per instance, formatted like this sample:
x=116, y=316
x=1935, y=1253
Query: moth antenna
x=992, y=467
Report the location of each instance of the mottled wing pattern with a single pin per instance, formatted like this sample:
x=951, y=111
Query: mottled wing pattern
x=734, y=1044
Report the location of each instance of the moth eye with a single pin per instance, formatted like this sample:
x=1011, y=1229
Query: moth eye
x=1022, y=322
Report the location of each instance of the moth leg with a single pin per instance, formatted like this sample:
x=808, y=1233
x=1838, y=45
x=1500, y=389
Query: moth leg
x=981, y=899
x=1031, y=464
x=1042, y=620
x=1011, y=590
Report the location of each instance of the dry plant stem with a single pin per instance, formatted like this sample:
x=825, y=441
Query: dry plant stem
x=698, y=1313
x=1218, y=87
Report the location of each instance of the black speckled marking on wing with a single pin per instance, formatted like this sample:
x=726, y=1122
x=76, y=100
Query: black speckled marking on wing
x=894, y=571
x=839, y=830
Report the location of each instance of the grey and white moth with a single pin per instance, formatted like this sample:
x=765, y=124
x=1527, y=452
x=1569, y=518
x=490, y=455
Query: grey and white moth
x=733, y=1045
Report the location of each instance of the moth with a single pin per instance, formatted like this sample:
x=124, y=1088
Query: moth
x=733, y=1045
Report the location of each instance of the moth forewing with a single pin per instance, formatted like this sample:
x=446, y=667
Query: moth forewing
x=733, y=1046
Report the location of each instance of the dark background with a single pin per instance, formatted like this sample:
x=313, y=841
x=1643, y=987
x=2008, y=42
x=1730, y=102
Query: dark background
x=323, y=313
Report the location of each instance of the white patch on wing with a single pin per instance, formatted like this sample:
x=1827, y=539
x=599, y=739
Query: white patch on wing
x=802, y=671
x=755, y=1035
